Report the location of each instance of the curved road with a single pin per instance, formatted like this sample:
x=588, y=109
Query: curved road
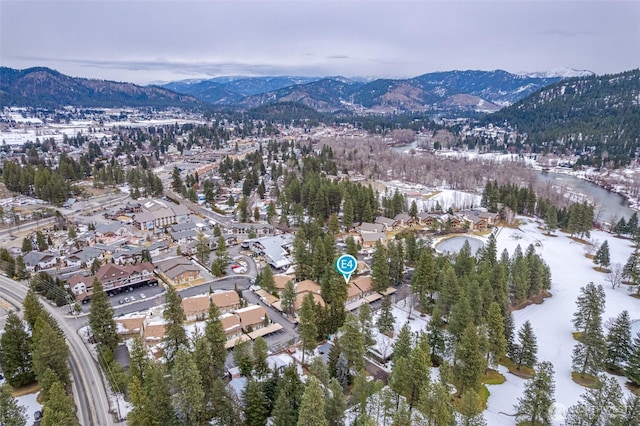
x=88, y=387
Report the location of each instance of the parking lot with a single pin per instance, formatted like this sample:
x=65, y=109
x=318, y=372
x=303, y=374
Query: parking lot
x=129, y=295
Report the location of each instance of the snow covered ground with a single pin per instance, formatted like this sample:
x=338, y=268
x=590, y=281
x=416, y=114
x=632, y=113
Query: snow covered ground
x=30, y=404
x=551, y=320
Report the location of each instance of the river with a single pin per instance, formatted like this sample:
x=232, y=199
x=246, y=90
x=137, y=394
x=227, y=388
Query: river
x=608, y=204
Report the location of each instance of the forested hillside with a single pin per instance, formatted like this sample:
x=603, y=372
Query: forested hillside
x=596, y=117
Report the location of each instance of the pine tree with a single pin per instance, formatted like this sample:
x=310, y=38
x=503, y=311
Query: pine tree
x=50, y=351
x=353, y=343
x=101, y=321
x=242, y=357
x=633, y=366
x=385, y=321
x=260, y=351
x=631, y=414
x=32, y=308
x=509, y=331
x=380, y=268
x=470, y=362
x=436, y=405
x=528, y=347
x=470, y=409
x=602, y=258
x=335, y=404
x=308, y=327
x=202, y=248
x=140, y=414
x=216, y=339
x=366, y=324
x=15, y=352
x=288, y=298
x=590, y=352
x=27, y=245
x=591, y=302
x=534, y=407
x=599, y=406
x=312, y=406
x=58, y=408
x=11, y=414
x=347, y=214
x=266, y=280
x=188, y=396
x=619, y=342
x=551, y=219
x=404, y=343
x=226, y=411
x=156, y=387
x=496, y=342
x=175, y=337
x=437, y=336
x=255, y=405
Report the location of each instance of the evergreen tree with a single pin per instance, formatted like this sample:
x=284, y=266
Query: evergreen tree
x=423, y=280
x=353, y=343
x=157, y=389
x=633, y=366
x=351, y=246
x=380, y=268
x=307, y=325
x=216, y=340
x=413, y=210
x=255, y=405
x=11, y=414
x=470, y=409
x=101, y=321
x=288, y=298
x=21, y=272
x=470, y=362
x=260, y=351
x=385, y=321
x=528, y=347
x=404, y=343
x=496, y=342
x=242, y=357
x=366, y=324
x=335, y=404
x=58, y=408
x=631, y=414
x=347, y=214
x=41, y=241
x=176, y=180
x=138, y=360
x=602, y=258
x=226, y=411
x=619, y=342
x=535, y=405
x=509, y=331
x=188, y=396
x=27, y=245
x=15, y=356
x=202, y=248
x=599, y=406
x=266, y=280
x=551, y=219
x=312, y=406
x=140, y=414
x=50, y=351
x=591, y=302
x=437, y=336
x=175, y=337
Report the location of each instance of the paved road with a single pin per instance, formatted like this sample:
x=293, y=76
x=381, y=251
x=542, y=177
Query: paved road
x=88, y=387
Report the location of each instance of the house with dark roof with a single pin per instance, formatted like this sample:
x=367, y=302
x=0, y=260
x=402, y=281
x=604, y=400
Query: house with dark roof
x=178, y=270
x=39, y=260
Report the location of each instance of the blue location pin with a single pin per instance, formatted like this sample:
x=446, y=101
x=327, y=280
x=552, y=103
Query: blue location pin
x=346, y=265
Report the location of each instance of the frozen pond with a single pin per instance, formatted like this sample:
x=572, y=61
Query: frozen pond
x=454, y=245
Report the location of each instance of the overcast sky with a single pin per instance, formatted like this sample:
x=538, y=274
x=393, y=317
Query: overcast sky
x=145, y=41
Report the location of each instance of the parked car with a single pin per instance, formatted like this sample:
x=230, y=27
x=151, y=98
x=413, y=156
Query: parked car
x=133, y=298
x=142, y=296
x=37, y=415
x=126, y=300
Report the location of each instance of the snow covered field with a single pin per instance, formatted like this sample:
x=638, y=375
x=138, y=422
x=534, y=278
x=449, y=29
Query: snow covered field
x=551, y=320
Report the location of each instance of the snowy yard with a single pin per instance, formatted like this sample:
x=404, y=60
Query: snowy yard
x=551, y=320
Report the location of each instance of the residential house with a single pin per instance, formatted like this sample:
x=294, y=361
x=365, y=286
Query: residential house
x=196, y=308
x=152, y=333
x=231, y=325
x=260, y=229
x=184, y=237
x=129, y=327
x=404, y=219
x=370, y=239
x=80, y=284
x=178, y=270
x=275, y=249
x=280, y=281
x=366, y=227
x=387, y=223
x=252, y=317
x=226, y=301
x=365, y=284
x=37, y=260
x=84, y=258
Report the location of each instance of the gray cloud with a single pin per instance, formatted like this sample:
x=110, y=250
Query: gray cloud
x=153, y=40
